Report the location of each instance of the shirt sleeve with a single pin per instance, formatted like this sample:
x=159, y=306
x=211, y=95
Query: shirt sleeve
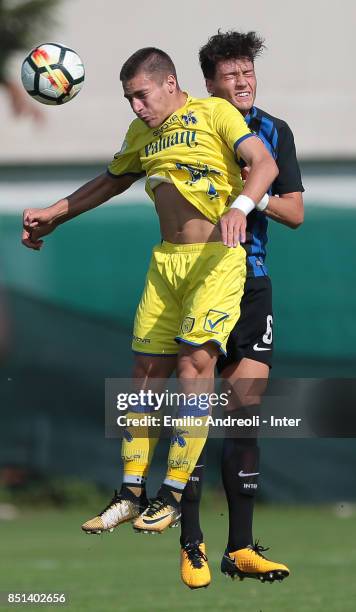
x=230, y=124
x=289, y=178
x=127, y=160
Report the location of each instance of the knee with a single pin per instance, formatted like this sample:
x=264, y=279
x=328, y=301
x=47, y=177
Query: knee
x=146, y=366
x=244, y=393
x=247, y=401
x=188, y=368
x=196, y=362
x=142, y=368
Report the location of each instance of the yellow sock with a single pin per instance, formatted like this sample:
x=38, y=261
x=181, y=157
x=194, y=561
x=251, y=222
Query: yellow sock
x=186, y=446
x=137, y=449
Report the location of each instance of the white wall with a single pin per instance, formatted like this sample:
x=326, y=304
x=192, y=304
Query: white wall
x=306, y=76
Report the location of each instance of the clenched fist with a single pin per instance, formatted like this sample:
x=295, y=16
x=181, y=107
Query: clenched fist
x=37, y=222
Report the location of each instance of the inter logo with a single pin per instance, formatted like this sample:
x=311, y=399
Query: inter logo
x=214, y=321
x=187, y=325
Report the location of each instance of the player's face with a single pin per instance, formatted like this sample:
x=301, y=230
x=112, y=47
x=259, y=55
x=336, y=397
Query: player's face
x=235, y=80
x=149, y=99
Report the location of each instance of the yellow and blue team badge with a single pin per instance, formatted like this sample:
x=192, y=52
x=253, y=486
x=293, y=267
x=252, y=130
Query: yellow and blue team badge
x=187, y=325
x=189, y=118
x=214, y=321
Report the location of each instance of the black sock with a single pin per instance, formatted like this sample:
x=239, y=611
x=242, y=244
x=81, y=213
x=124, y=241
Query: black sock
x=240, y=456
x=165, y=492
x=190, y=525
x=126, y=492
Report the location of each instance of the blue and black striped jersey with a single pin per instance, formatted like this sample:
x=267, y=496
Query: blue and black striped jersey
x=278, y=138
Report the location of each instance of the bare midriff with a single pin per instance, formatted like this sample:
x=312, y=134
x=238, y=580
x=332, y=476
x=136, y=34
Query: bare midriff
x=180, y=221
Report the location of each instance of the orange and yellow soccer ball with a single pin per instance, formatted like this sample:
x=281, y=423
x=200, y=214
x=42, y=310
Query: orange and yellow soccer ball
x=52, y=73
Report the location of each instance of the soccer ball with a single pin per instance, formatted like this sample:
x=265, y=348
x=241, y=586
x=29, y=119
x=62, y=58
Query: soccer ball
x=52, y=74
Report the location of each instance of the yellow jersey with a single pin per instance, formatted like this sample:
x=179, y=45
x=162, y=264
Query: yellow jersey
x=194, y=149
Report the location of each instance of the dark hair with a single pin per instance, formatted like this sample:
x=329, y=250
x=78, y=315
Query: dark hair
x=229, y=45
x=150, y=60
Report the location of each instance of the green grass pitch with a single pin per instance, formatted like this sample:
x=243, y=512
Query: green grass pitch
x=45, y=551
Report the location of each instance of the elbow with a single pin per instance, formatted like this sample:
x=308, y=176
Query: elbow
x=297, y=221
x=299, y=218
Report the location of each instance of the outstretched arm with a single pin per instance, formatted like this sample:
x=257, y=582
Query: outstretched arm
x=38, y=222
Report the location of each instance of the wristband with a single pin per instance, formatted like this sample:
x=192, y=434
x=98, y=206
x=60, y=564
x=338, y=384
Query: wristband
x=243, y=203
x=263, y=203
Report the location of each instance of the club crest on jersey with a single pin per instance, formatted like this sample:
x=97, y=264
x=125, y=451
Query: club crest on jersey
x=214, y=321
x=187, y=325
x=190, y=118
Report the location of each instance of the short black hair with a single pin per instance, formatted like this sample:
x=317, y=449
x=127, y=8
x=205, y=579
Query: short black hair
x=229, y=45
x=149, y=59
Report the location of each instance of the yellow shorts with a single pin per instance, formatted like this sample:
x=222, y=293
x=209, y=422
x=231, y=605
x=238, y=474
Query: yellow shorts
x=192, y=294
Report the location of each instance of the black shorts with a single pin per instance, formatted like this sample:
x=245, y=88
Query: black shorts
x=252, y=336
